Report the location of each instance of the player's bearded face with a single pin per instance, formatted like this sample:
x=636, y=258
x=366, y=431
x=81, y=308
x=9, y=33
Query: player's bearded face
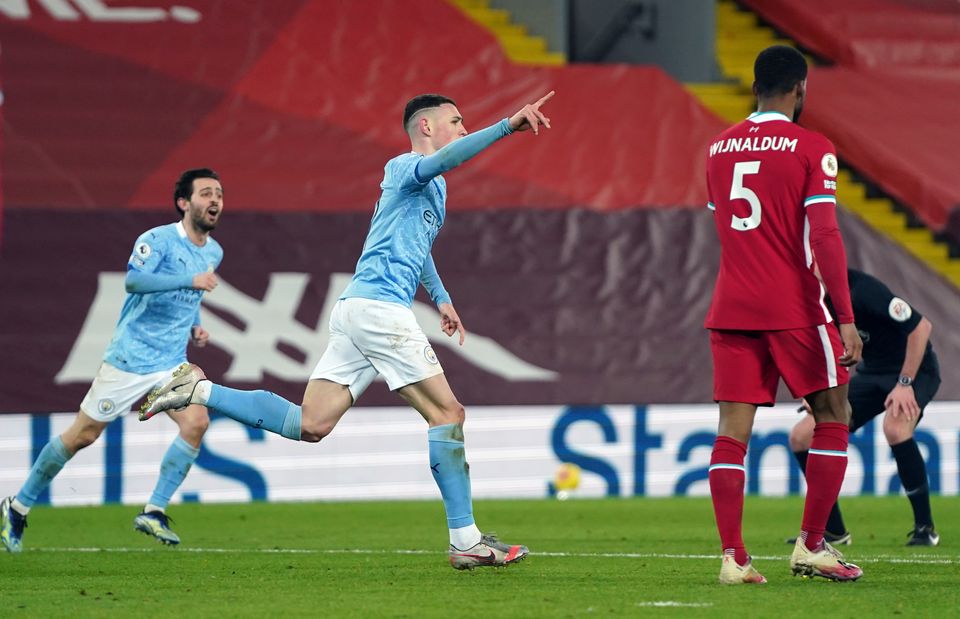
x=206, y=204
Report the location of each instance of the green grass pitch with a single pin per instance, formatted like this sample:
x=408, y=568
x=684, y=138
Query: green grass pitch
x=628, y=557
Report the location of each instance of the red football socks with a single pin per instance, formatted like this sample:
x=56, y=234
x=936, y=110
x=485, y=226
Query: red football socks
x=727, y=476
x=826, y=465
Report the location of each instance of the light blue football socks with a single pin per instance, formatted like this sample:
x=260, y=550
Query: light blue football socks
x=174, y=467
x=448, y=463
x=48, y=464
x=257, y=409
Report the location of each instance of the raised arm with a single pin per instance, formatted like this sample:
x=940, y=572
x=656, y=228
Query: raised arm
x=459, y=151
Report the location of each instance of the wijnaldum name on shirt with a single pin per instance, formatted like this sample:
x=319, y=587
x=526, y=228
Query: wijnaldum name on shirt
x=755, y=143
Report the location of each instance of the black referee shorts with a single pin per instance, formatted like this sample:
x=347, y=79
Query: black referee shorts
x=867, y=393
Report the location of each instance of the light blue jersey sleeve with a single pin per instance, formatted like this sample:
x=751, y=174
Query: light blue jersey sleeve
x=142, y=281
x=430, y=280
x=459, y=151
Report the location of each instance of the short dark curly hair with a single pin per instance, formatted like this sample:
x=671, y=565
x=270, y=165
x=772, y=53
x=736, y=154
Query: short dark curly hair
x=777, y=70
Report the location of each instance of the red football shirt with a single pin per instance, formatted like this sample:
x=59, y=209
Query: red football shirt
x=762, y=175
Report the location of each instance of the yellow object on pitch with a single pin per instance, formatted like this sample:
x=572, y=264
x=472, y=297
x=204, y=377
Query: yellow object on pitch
x=567, y=477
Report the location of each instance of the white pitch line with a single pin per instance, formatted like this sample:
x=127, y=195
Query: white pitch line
x=915, y=559
x=672, y=604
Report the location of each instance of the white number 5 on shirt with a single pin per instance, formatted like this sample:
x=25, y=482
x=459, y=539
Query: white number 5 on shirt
x=739, y=192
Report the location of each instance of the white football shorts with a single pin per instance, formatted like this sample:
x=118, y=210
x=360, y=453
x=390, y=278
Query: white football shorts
x=114, y=392
x=370, y=337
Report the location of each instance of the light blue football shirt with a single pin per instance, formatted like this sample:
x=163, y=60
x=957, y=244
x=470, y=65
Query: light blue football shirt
x=406, y=220
x=154, y=327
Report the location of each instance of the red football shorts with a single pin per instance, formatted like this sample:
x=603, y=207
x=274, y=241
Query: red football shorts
x=747, y=365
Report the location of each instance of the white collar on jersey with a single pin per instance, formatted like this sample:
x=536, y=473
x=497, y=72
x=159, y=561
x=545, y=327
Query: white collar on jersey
x=183, y=232
x=762, y=117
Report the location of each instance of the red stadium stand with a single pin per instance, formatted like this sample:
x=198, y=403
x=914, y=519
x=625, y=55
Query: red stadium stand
x=889, y=103
x=298, y=105
x=870, y=33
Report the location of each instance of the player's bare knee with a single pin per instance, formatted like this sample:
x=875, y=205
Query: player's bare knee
x=897, y=431
x=314, y=428
x=798, y=440
x=81, y=439
x=452, y=413
x=801, y=434
x=316, y=433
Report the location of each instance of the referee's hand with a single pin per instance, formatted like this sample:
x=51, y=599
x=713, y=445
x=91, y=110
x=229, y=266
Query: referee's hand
x=903, y=401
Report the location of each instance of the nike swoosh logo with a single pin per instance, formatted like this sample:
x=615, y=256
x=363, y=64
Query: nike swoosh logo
x=489, y=557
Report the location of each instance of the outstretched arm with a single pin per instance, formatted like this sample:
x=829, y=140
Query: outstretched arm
x=460, y=151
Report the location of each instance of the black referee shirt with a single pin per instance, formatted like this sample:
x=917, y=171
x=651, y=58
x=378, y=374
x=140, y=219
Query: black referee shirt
x=884, y=321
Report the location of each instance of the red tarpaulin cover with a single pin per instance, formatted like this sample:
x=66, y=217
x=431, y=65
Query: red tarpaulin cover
x=890, y=101
x=298, y=104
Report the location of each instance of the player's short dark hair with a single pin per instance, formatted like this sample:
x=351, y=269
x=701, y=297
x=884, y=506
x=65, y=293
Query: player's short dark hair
x=422, y=102
x=777, y=70
x=184, y=186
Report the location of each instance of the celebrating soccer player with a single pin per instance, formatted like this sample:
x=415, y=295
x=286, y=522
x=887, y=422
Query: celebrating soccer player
x=169, y=270
x=373, y=330
x=772, y=187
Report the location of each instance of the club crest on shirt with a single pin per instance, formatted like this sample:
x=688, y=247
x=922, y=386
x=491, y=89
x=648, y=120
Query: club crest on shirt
x=829, y=164
x=143, y=251
x=899, y=309
x=429, y=355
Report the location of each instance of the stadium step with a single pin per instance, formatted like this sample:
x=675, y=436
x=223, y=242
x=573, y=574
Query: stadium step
x=882, y=216
x=740, y=37
x=519, y=45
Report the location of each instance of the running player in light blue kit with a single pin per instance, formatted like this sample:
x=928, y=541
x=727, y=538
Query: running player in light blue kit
x=168, y=271
x=373, y=330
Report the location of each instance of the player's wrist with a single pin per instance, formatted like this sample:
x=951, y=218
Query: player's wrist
x=905, y=380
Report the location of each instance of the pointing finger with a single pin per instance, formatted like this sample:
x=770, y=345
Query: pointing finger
x=545, y=98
